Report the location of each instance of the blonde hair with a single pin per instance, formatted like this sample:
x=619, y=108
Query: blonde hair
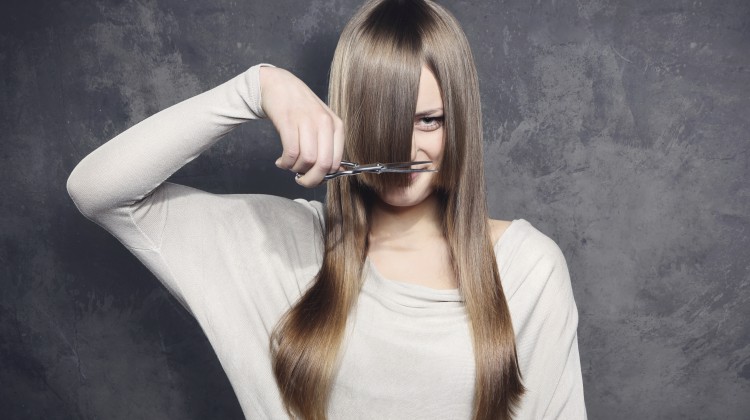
x=387, y=41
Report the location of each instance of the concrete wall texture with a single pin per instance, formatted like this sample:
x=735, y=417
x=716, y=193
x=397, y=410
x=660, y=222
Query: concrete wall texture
x=618, y=128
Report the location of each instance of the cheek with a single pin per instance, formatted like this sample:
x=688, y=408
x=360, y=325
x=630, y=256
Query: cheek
x=434, y=141
x=439, y=144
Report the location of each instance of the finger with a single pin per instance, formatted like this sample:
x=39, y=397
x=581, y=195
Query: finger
x=290, y=144
x=338, y=143
x=314, y=176
x=338, y=138
x=308, y=148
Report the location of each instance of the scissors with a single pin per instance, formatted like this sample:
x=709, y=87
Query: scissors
x=375, y=168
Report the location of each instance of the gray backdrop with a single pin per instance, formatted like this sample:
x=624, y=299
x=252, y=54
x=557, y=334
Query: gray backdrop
x=618, y=128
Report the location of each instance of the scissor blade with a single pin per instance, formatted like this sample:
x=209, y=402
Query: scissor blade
x=407, y=170
x=405, y=164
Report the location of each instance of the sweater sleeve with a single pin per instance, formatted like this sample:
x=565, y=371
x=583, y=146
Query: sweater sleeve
x=196, y=243
x=546, y=322
x=565, y=388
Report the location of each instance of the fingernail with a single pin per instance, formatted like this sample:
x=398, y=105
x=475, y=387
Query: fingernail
x=278, y=162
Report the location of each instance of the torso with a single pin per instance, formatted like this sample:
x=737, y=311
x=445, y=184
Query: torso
x=424, y=262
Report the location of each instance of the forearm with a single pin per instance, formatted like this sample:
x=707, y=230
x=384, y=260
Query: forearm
x=131, y=165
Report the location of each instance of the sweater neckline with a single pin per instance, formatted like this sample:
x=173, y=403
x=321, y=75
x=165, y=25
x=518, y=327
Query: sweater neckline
x=418, y=296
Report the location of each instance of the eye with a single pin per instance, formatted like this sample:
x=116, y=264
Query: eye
x=431, y=123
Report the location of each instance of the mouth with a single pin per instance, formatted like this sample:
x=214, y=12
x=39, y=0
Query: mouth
x=414, y=175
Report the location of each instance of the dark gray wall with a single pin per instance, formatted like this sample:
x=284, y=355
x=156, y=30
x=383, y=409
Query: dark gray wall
x=619, y=128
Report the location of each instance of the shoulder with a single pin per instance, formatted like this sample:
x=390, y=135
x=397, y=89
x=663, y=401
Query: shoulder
x=525, y=241
x=530, y=261
x=313, y=207
x=498, y=228
x=520, y=233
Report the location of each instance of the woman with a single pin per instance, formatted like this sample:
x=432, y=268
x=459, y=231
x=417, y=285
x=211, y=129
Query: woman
x=398, y=297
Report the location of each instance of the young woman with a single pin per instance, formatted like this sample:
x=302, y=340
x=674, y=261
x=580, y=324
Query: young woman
x=398, y=297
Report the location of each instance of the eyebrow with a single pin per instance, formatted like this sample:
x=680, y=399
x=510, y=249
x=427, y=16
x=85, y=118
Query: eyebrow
x=428, y=112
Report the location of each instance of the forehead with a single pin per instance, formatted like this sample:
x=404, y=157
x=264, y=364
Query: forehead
x=429, y=91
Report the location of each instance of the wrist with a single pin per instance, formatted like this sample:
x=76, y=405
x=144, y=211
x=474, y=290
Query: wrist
x=267, y=77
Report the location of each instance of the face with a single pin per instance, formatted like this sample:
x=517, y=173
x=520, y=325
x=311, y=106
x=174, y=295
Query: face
x=428, y=141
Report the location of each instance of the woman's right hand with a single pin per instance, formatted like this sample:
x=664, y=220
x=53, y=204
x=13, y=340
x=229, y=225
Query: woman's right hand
x=312, y=136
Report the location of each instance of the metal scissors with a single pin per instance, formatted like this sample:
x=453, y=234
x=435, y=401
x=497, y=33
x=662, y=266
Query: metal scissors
x=375, y=168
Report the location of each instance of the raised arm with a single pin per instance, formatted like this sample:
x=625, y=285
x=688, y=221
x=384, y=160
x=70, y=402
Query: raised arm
x=174, y=229
x=130, y=166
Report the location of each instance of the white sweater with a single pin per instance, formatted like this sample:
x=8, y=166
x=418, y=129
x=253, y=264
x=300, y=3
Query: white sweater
x=238, y=261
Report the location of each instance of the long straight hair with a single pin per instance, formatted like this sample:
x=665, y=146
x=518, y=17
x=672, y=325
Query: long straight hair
x=373, y=86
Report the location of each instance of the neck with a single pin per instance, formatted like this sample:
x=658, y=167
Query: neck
x=395, y=223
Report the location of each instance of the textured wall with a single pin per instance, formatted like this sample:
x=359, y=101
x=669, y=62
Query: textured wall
x=619, y=128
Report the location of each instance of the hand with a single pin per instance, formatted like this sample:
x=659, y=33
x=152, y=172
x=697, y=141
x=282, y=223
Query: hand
x=311, y=134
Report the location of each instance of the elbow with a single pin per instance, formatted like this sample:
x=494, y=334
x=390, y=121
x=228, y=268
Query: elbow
x=75, y=189
x=82, y=193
